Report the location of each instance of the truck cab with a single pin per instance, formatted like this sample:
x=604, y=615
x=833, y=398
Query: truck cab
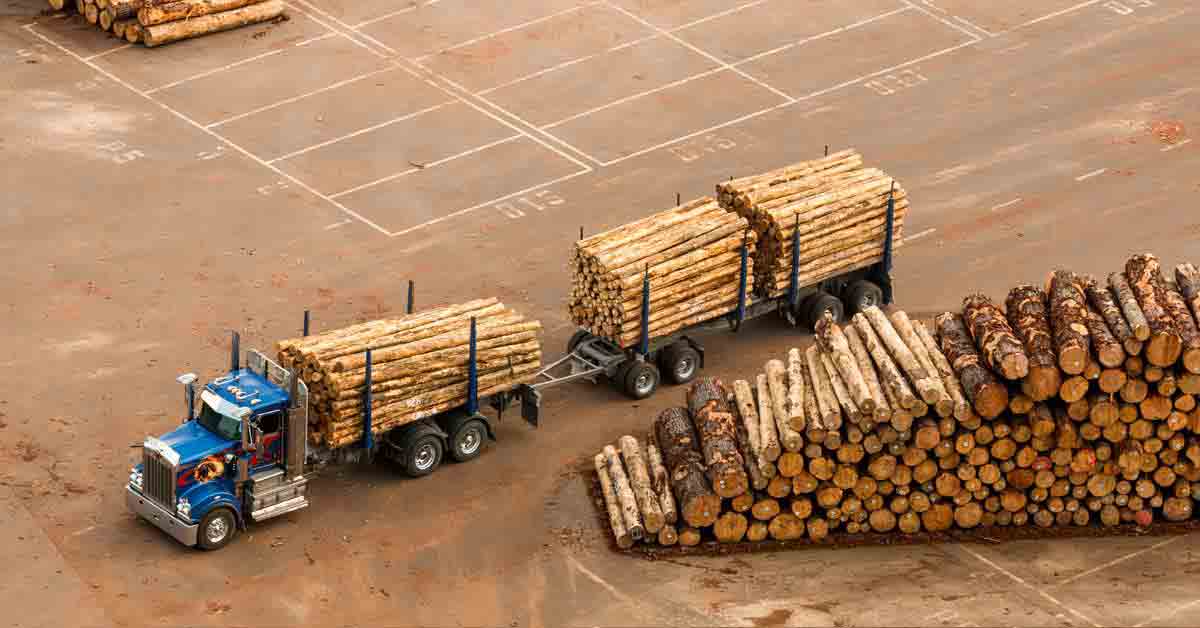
x=237, y=457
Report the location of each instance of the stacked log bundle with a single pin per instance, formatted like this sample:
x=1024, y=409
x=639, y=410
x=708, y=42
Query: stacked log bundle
x=1049, y=411
x=158, y=22
x=419, y=366
x=837, y=205
x=692, y=256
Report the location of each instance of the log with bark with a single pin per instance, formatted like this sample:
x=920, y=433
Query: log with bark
x=163, y=12
x=1164, y=345
x=213, y=23
x=649, y=506
x=1029, y=318
x=1189, y=334
x=1101, y=299
x=616, y=518
x=988, y=396
x=661, y=484
x=695, y=500
x=624, y=492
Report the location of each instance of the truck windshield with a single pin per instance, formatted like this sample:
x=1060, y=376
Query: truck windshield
x=219, y=424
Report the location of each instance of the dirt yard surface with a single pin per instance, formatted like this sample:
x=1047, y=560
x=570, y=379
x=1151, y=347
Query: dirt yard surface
x=155, y=199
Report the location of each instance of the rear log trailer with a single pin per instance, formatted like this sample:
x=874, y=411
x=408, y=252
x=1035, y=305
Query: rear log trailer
x=638, y=369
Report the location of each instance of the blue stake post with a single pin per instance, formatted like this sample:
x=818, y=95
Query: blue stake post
x=472, y=373
x=306, y=320
x=234, y=353
x=644, y=346
x=887, y=245
x=794, y=279
x=742, y=278
x=408, y=307
x=368, y=441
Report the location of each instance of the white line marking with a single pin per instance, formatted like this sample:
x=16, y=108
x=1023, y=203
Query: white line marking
x=1094, y=173
x=1021, y=582
x=943, y=20
x=716, y=16
x=825, y=35
x=1008, y=204
x=567, y=64
x=310, y=40
x=82, y=532
x=288, y=101
x=600, y=581
x=1118, y=561
x=920, y=234
x=1082, y=5
x=1176, y=611
x=386, y=16
x=491, y=202
x=210, y=132
x=374, y=127
x=334, y=30
x=1167, y=149
x=621, y=101
x=211, y=72
x=697, y=50
x=749, y=116
x=517, y=27
x=974, y=26
x=338, y=224
x=392, y=177
x=108, y=52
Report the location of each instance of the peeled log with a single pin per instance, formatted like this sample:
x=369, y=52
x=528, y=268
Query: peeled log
x=225, y=20
x=662, y=487
x=921, y=380
x=615, y=520
x=833, y=342
x=789, y=527
x=797, y=417
x=185, y=9
x=706, y=399
x=758, y=480
x=1101, y=298
x=625, y=497
x=988, y=396
x=849, y=408
x=1030, y=320
x=694, y=499
x=883, y=410
x=944, y=406
x=639, y=481
x=748, y=429
x=889, y=374
x=962, y=407
x=997, y=343
x=730, y=527
x=830, y=417
x=777, y=390
x=1145, y=278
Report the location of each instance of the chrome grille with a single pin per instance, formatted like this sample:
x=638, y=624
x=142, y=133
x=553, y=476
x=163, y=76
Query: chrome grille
x=158, y=479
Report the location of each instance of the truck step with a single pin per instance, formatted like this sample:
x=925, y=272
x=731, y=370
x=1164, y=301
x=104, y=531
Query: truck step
x=277, y=492
x=284, y=507
x=267, y=479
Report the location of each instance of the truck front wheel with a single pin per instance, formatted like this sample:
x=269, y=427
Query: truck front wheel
x=217, y=529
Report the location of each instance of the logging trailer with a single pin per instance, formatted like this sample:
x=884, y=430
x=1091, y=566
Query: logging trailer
x=638, y=369
x=244, y=455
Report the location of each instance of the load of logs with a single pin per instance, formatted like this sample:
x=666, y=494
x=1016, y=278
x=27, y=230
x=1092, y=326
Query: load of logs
x=838, y=206
x=419, y=366
x=1068, y=404
x=157, y=22
x=691, y=255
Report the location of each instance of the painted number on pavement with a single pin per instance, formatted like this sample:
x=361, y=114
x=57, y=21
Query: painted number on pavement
x=538, y=201
x=121, y=153
x=892, y=83
x=695, y=149
x=1125, y=7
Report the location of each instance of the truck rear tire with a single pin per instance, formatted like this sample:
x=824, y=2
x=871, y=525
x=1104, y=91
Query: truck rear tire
x=863, y=294
x=679, y=363
x=466, y=443
x=217, y=529
x=423, y=455
x=821, y=303
x=641, y=379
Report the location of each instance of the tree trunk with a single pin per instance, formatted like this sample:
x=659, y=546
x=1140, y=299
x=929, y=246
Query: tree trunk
x=1109, y=353
x=962, y=407
x=1118, y=283
x=889, y=373
x=1145, y=278
x=714, y=422
x=944, y=406
x=995, y=339
x=615, y=518
x=1187, y=277
x=765, y=509
x=694, y=499
x=1029, y=317
x=730, y=527
x=796, y=390
x=1101, y=298
x=883, y=409
x=830, y=416
x=661, y=485
x=772, y=394
x=758, y=480
x=904, y=357
x=988, y=396
x=689, y=536
x=1178, y=309
x=225, y=20
x=786, y=527
x=851, y=411
x=743, y=401
x=625, y=497
x=834, y=343
x=639, y=480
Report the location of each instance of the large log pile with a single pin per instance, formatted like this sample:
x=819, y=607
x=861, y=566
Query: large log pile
x=157, y=22
x=1050, y=412
x=419, y=366
x=838, y=206
x=692, y=255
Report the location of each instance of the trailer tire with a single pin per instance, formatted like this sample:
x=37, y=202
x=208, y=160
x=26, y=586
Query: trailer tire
x=423, y=455
x=863, y=294
x=217, y=529
x=679, y=363
x=466, y=443
x=821, y=303
x=577, y=339
x=641, y=379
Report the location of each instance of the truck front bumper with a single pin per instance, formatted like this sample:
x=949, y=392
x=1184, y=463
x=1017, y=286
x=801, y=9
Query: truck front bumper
x=165, y=520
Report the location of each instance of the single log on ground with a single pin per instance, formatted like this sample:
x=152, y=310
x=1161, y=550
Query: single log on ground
x=639, y=480
x=184, y=9
x=1145, y=278
x=661, y=484
x=789, y=527
x=889, y=373
x=615, y=519
x=668, y=536
x=706, y=399
x=225, y=20
x=694, y=498
x=625, y=496
x=1101, y=299
x=903, y=356
x=988, y=396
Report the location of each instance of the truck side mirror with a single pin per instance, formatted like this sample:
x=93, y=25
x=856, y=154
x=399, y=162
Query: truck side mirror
x=189, y=390
x=249, y=442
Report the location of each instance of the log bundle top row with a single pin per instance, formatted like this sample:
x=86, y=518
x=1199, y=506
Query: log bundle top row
x=836, y=203
x=1071, y=403
x=419, y=366
x=157, y=22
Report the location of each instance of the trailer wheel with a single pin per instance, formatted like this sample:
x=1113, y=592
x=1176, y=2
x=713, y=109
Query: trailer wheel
x=823, y=302
x=577, y=339
x=863, y=294
x=467, y=441
x=423, y=455
x=679, y=363
x=217, y=529
x=641, y=380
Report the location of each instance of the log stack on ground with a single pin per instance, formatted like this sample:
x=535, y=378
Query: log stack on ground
x=158, y=22
x=1057, y=415
x=692, y=256
x=419, y=366
x=838, y=206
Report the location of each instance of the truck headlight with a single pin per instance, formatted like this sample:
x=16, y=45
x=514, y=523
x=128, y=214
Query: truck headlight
x=135, y=478
x=183, y=507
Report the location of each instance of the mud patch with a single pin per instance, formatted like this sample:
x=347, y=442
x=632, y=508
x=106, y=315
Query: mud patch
x=56, y=122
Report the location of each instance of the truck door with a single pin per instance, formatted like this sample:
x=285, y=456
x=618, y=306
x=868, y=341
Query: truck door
x=270, y=452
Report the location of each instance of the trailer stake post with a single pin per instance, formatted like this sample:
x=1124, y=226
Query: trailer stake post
x=408, y=306
x=889, y=224
x=234, y=352
x=306, y=318
x=472, y=373
x=794, y=279
x=742, y=278
x=644, y=346
x=368, y=440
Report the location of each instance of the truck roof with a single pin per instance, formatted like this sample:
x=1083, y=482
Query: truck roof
x=248, y=389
